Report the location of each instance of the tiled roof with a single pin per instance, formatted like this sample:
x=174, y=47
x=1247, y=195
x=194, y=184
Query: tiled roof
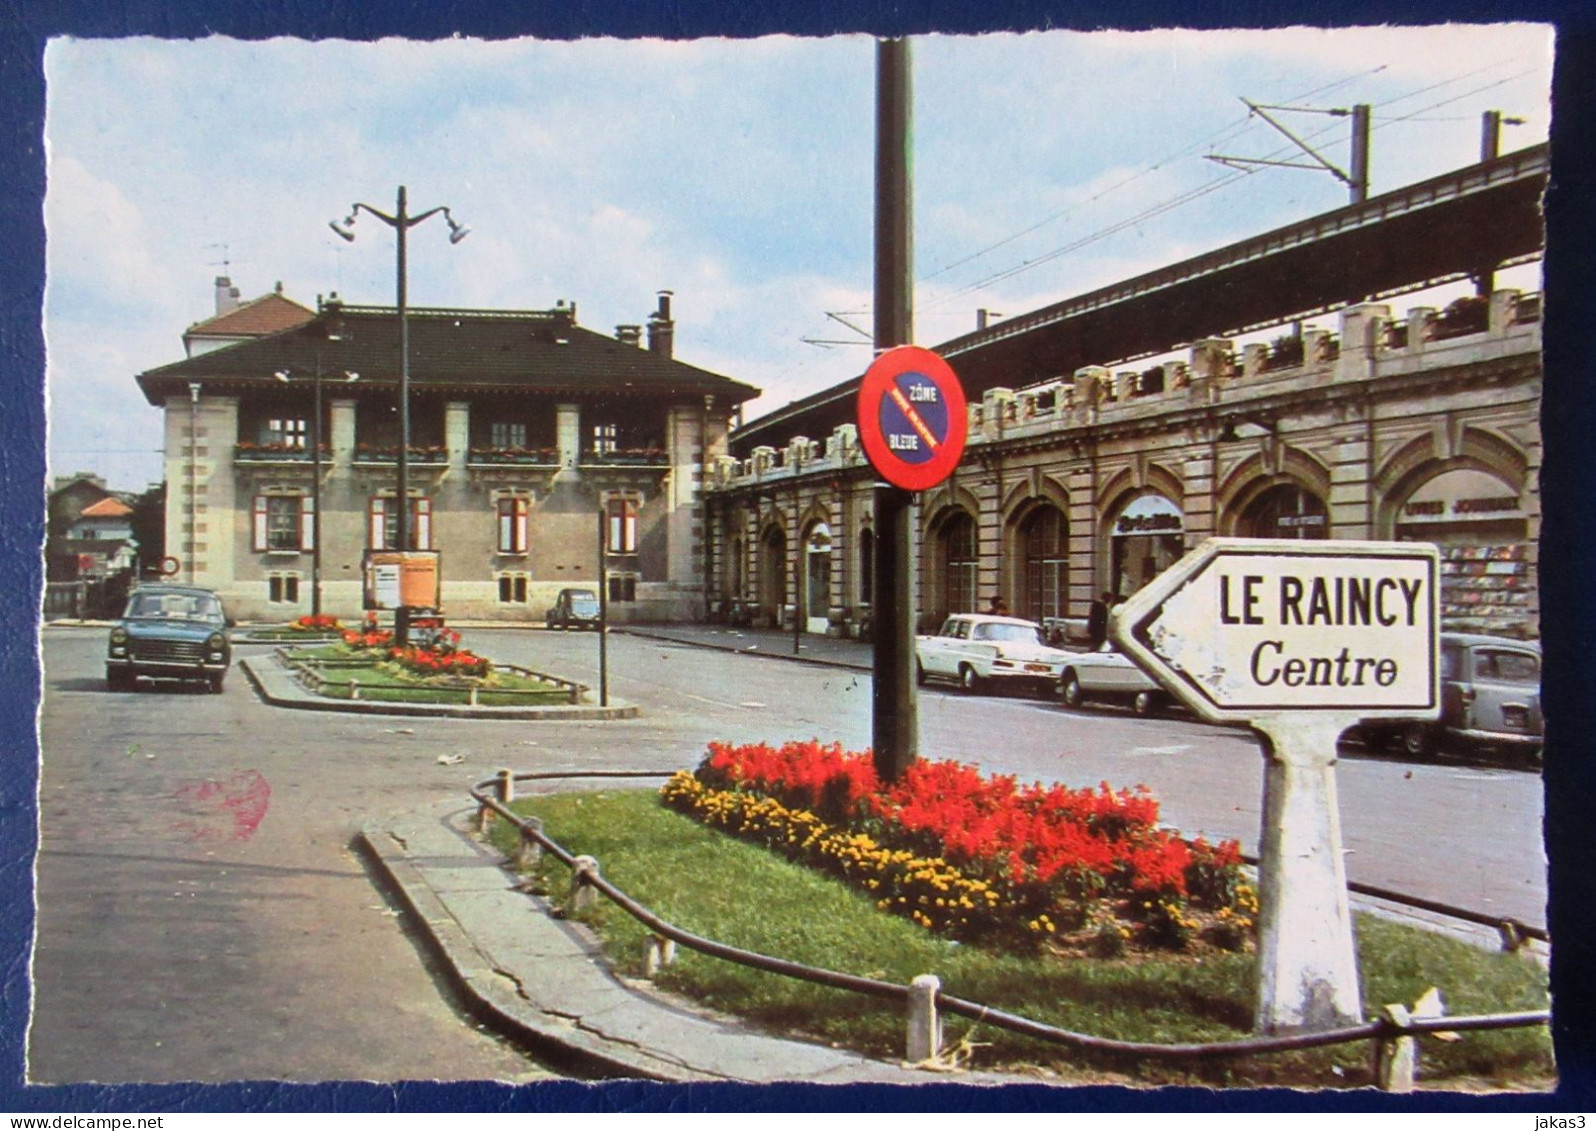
x=106, y=508
x=511, y=351
x=265, y=315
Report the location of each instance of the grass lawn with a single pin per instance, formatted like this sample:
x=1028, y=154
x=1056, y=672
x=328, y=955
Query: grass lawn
x=714, y=885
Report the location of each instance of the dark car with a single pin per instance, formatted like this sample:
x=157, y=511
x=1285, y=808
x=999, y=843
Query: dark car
x=1490, y=699
x=578, y=607
x=169, y=632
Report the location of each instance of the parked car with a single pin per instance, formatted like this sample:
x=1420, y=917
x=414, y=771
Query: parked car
x=977, y=649
x=579, y=607
x=1108, y=673
x=1490, y=697
x=169, y=632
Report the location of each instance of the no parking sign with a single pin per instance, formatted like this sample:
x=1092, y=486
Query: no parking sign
x=912, y=418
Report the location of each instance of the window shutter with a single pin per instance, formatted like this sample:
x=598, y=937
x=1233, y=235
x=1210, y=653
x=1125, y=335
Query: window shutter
x=307, y=523
x=376, y=537
x=422, y=521
x=522, y=542
x=259, y=524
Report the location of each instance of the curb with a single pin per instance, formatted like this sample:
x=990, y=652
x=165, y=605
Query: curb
x=283, y=691
x=486, y=990
x=545, y=983
x=667, y=638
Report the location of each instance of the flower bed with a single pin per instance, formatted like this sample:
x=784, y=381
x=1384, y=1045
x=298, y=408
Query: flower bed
x=980, y=857
x=324, y=623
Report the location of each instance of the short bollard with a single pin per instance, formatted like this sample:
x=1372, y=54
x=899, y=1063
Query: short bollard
x=925, y=1027
x=354, y=689
x=1395, y=1057
x=528, y=852
x=657, y=951
x=584, y=869
x=506, y=787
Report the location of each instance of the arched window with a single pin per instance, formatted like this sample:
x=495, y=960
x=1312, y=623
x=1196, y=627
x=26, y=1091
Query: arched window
x=959, y=558
x=1044, y=548
x=1285, y=510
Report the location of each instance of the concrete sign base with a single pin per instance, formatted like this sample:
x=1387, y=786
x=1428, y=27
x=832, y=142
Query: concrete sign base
x=1307, y=961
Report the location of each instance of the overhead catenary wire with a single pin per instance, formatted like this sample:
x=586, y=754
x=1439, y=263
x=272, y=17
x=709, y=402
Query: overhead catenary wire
x=1205, y=189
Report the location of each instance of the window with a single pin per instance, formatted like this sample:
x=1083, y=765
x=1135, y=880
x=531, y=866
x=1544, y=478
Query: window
x=1046, y=549
x=512, y=588
x=959, y=562
x=867, y=565
x=283, y=588
x=623, y=587
x=513, y=514
x=603, y=439
x=383, y=527
x=283, y=432
x=503, y=434
x=283, y=524
x=621, y=527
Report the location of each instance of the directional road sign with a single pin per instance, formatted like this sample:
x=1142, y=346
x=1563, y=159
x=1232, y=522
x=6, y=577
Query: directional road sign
x=1248, y=626
x=912, y=420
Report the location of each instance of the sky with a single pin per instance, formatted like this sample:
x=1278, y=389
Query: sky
x=737, y=174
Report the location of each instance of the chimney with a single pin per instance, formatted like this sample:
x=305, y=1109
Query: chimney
x=629, y=335
x=985, y=317
x=226, y=295
x=661, y=329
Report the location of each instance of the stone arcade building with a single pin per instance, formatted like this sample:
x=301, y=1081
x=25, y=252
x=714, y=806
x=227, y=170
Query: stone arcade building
x=1384, y=424
x=523, y=426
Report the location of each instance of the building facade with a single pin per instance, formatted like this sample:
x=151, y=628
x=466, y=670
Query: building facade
x=525, y=428
x=1421, y=425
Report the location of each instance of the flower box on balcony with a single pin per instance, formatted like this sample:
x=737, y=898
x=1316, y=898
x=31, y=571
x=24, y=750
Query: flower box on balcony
x=366, y=454
x=277, y=453
x=545, y=457
x=628, y=457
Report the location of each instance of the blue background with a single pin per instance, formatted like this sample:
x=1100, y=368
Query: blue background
x=1567, y=544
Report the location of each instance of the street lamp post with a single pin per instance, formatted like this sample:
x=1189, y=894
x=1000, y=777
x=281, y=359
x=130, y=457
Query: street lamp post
x=401, y=222
x=315, y=479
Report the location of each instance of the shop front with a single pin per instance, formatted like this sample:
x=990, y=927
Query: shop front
x=1147, y=537
x=1478, y=521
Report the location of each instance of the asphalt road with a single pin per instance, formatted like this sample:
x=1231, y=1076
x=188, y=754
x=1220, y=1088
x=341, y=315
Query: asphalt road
x=202, y=918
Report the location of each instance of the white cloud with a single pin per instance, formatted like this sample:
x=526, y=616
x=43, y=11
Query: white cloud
x=736, y=173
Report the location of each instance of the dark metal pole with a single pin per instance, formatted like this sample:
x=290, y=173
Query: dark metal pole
x=402, y=527
x=604, y=615
x=315, y=496
x=800, y=571
x=1360, y=153
x=1490, y=134
x=895, y=724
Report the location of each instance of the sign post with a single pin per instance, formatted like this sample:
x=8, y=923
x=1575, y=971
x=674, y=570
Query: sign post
x=912, y=427
x=1299, y=640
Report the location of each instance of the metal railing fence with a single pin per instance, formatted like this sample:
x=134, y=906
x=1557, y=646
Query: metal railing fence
x=493, y=797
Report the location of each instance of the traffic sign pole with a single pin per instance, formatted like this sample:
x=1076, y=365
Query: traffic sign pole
x=1307, y=963
x=894, y=721
x=1298, y=640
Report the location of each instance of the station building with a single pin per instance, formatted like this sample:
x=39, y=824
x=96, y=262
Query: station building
x=1345, y=417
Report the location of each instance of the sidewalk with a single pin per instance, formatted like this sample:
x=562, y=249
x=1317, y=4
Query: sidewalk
x=542, y=980
x=812, y=648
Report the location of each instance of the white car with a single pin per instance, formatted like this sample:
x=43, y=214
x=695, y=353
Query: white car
x=976, y=649
x=1109, y=674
